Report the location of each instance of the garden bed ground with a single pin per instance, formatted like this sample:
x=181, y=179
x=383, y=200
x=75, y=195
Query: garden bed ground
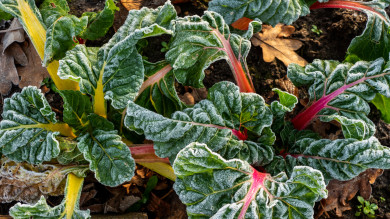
x=338, y=28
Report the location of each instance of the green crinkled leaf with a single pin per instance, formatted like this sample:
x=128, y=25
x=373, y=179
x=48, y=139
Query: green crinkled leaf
x=76, y=108
x=100, y=22
x=69, y=152
x=158, y=91
x=51, y=10
x=80, y=64
x=341, y=92
x=215, y=121
x=109, y=157
x=29, y=127
x=61, y=36
x=270, y=12
x=118, y=72
x=279, y=108
x=152, y=22
x=200, y=41
x=289, y=135
x=341, y=159
x=42, y=210
x=4, y=15
x=213, y=187
x=374, y=42
x=382, y=103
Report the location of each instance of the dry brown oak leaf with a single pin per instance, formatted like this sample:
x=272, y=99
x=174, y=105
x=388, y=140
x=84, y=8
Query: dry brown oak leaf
x=340, y=192
x=274, y=45
x=33, y=73
x=8, y=72
x=138, y=4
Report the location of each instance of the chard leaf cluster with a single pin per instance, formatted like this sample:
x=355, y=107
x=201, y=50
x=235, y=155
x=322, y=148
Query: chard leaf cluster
x=233, y=155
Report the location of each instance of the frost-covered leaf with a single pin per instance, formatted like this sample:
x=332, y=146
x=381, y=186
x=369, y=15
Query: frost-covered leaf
x=76, y=108
x=340, y=159
x=219, y=121
x=289, y=135
x=279, y=108
x=153, y=22
x=99, y=23
x=25, y=182
x=158, y=92
x=374, y=42
x=68, y=209
x=69, y=152
x=116, y=72
x=213, y=187
x=51, y=10
x=29, y=127
x=61, y=36
x=268, y=11
x=382, y=103
x=108, y=156
x=341, y=92
x=80, y=64
x=200, y=41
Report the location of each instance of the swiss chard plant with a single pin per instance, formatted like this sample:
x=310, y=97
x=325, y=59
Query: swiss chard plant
x=233, y=155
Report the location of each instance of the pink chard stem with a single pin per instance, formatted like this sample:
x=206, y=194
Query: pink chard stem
x=145, y=153
x=257, y=183
x=357, y=6
x=243, y=80
x=304, y=118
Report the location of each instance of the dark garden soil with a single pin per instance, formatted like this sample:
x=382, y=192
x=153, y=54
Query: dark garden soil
x=338, y=28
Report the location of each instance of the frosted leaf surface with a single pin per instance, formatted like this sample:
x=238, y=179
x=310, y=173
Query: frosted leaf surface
x=373, y=43
x=29, y=127
x=68, y=209
x=340, y=159
x=213, y=187
x=341, y=92
x=76, y=108
x=61, y=36
x=279, y=108
x=269, y=11
x=116, y=71
x=210, y=121
x=200, y=41
x=158, y=92
x=108, y=156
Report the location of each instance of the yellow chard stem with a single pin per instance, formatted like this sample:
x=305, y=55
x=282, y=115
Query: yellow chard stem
x=99, y=103
x=73, y=189
x=37, y=34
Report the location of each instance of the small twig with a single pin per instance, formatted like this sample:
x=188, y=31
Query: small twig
x=56, y=110
x=10, y=29
x=170, y=191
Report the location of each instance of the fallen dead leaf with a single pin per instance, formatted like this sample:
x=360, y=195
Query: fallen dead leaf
x=132, y=4
x=137, y=4
x=26, y=182
x=8, y=71
x=274, y=45
x=33, y=73
x=17, y=35
x=340, y=192
x=287, y=85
